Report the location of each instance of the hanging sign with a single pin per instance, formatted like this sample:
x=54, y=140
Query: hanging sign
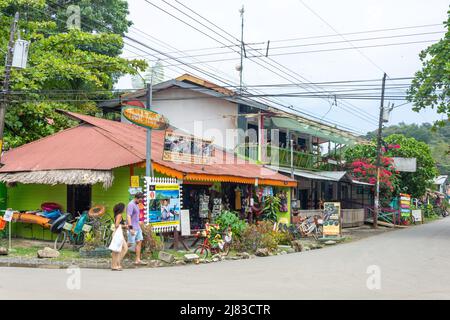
x=8, y=215
x=145, y=118
x=163, y=204
x=187, y=149
x=332, y=219
x=135, y=181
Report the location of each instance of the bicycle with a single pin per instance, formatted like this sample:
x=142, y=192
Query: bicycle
x=205, y=249
x=73, y=232
x=312, y=226
x=105, y=227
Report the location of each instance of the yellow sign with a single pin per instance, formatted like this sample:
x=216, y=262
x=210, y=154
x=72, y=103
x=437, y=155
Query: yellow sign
x=135, y=181
x=332, y=219
x=145, y=118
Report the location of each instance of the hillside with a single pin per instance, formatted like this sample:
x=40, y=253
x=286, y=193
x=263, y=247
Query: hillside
x=438, y=140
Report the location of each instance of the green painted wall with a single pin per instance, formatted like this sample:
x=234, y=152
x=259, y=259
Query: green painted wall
x=3, y=194
x=29, y=197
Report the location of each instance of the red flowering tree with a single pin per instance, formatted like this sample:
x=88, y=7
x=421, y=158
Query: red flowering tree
x=364, y=170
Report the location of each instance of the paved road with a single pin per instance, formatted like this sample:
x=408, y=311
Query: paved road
x=414, y=264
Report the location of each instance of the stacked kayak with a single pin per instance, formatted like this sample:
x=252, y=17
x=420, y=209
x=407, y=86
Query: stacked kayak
x=45, y=218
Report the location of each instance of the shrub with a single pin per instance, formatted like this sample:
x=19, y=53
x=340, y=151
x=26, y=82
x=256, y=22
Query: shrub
x=151, y=243
x=257, y=236
x=271, y=208
x=230, y=219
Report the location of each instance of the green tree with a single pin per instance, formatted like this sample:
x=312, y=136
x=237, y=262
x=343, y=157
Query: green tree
x=66, y=70
x=414, y=183
x=153, y=74
x=431, y=85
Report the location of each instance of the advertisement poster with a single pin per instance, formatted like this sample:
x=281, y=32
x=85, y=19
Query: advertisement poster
x=405, y=205
x=332, y=219
x=163, y=204
x=187, y=149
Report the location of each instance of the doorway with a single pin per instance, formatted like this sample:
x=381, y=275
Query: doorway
x=79, y=199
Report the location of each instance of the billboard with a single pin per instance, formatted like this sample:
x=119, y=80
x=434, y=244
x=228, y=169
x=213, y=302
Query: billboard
x=405, y=164
x=187, y=149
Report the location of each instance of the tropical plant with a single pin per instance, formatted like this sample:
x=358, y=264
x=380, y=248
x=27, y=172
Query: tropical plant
x=431, y=86
x=67, y=69
x=228, y=219
x=92, y=240
x=272, y=206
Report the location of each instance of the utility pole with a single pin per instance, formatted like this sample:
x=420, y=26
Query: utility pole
x=378, y=163
x=241, y=68
x=8, y=67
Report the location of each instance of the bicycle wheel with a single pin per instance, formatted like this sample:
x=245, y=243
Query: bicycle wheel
x=60, y=240
x=202, y=252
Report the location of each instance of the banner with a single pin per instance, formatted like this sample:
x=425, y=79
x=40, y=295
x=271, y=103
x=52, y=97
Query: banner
x=163, y=204
x=405, y=205
x=187, y=149
x=332, y=219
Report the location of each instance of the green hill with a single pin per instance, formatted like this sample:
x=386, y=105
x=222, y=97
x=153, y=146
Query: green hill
x=437, y=140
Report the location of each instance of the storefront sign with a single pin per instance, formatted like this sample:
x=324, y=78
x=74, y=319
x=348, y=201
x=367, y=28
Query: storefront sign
x=145, y=118
x=332, y=219
x=187, y=149
x=163, y=204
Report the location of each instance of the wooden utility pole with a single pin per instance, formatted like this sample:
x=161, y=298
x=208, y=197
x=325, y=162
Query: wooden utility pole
x=241, y=69
x=7, y=75
x=378, y=163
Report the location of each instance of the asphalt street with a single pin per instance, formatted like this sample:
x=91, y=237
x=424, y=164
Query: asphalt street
x=411, y=263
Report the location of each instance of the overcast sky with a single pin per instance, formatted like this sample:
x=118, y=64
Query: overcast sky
x=287, y=19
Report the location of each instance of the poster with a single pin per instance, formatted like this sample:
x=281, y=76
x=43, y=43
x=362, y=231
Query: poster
x=417, y=214
x=332, y=219
x=217, y=207
x=163, y=204
x=187, y=149
x=405, y=205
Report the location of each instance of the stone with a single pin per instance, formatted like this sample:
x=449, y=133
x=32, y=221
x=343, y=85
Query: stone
x=330, y=242
x=215, y=259
x=283, y=253
x=216, y=256
x=252, y=256
x=48, y=253
x=297, y=245
x=290, y=250
x=306, y=248
x=191, y=257
x=236, y=258
x=166, y=257
x=243, y=255
x=180, y=263
x=262, y=252
x=3, y=251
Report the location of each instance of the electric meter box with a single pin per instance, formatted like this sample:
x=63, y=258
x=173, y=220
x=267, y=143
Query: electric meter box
x=20, y=56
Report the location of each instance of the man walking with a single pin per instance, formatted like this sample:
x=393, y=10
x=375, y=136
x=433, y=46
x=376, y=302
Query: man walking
x=135, y=235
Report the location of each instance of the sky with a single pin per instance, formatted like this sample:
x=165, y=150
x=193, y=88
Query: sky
x=292, y=19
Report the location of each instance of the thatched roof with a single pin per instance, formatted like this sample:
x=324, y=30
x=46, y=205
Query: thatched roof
x=54, y=177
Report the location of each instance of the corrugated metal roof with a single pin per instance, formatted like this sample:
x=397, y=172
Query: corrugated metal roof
x=100, y=144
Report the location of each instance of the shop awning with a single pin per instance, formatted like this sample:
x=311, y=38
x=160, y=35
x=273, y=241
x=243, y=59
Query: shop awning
x=315, y=131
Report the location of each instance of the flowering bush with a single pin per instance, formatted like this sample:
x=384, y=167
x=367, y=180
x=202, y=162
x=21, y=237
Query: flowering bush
x=365, y=171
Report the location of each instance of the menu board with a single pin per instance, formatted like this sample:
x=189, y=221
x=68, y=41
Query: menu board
x=332, y=219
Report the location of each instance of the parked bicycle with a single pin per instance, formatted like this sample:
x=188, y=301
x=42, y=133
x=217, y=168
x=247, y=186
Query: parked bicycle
x=72, y=232
x=206, y=248
x=311, y=226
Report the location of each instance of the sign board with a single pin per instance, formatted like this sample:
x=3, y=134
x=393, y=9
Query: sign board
x=332, y=219
x=163, y=204
x=135, y=181
x=203, y=206
x=187, y=149
x=8, y=215
x=145, y=118
x=185, y=223
x=405, y=205
x=405, y=164
x=417, y=215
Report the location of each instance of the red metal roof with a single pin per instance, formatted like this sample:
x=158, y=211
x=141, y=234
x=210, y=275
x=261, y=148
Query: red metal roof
x=99, y=144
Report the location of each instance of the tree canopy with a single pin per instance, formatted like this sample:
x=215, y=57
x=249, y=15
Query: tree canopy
x=67, y=69
x=431, y=85
x=437, y=138
x=414, y=183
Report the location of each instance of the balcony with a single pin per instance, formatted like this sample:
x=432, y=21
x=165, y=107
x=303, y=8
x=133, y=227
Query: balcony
x=301, y=160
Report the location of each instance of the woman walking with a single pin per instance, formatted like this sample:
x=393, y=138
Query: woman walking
x=117, y=257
